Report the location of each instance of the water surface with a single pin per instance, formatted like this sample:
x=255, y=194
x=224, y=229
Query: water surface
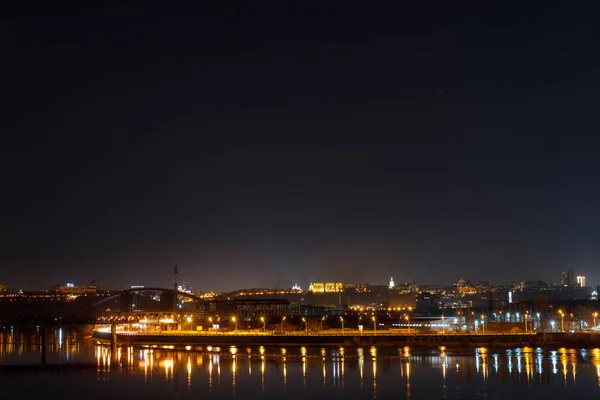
x=163, y=372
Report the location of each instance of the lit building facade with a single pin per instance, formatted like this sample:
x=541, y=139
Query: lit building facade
x=71, y=288
x=326, y=287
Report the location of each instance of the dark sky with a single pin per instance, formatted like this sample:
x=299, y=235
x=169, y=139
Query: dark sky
x=324, y=140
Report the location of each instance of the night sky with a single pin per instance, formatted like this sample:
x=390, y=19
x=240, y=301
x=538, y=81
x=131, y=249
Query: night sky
x=323, y=140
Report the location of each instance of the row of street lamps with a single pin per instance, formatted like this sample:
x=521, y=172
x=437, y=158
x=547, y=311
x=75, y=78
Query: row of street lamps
x=374, y=319
x=304, y=319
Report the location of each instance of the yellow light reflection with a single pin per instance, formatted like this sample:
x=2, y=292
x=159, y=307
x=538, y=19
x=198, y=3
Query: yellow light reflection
x=210, y=370
x=407, y=380
x=563, y=361
x=374, y=369
x=361, y=364
x=595, y=353
x=444, y=371
x=168, y=365
x=304, y=367
x=373, y=351
x=233, y=371
x=262, y=371
x=189, y=371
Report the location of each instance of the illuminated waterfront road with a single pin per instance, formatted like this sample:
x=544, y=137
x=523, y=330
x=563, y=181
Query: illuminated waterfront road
x=335, y=338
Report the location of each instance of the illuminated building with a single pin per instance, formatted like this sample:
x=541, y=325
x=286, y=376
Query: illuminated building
x=71, y=288
x=581, y=281
x=462, y=288
x=392, y=284
x=326, y=287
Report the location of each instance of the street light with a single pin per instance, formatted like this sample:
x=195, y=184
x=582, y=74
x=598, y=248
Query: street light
x=189, y=320
x=342, y=319
x=483, y=323
x=374, y=324
x=305, y=324
x=407, y=323
x=282, y=319
x=595, y=315
x=264, y=323
x=562, y=320
x=234, y=320
x=572, y=322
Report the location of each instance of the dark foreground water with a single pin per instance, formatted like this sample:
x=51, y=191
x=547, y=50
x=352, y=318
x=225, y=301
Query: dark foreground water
x=291, y=373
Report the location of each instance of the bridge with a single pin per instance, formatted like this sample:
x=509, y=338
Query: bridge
x=125, y=306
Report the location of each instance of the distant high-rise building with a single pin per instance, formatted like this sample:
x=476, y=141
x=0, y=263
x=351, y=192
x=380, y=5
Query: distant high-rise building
x=571, y=277
x=564, y=279
x=392, y=284
x=581, y=281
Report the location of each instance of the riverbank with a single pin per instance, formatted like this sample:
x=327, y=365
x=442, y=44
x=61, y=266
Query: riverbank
x=558, y=339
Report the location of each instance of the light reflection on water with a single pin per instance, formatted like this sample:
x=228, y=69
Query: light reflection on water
x=321, y=372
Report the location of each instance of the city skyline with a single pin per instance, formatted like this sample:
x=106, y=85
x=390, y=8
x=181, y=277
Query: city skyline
x=304, y=285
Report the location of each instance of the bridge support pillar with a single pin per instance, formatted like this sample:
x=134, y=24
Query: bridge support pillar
x=113, y=344
x=44, y=342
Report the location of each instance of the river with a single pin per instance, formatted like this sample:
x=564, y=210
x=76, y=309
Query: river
x=162, y=372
